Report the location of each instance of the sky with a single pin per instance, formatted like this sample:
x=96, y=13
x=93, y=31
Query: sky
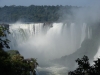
x=49, y=2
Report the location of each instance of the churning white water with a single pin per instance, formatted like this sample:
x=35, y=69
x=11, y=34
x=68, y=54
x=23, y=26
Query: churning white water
x=47, y=41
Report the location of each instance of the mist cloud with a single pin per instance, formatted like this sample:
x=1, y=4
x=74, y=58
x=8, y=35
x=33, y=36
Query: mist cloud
x=60, y=41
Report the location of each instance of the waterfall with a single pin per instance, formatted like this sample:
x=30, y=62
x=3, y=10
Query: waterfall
x=48, y=42
x=22, y=32
x=60, y=38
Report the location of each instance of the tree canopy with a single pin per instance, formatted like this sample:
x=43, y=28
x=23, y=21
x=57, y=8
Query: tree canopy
x=34, y=13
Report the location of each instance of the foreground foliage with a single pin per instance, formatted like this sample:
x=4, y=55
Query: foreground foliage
x=11, y=62
x=84, y=67
x=16, y=64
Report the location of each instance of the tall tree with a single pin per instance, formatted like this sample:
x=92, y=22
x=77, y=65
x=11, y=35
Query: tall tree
x=84, y=67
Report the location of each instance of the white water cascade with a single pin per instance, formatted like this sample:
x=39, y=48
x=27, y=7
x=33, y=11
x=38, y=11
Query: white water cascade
x=57, y=40
x=48, y=41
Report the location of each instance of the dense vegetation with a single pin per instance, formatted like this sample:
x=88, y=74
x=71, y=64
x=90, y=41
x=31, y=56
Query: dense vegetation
x=11, y=62
x=84, y=67
x=34, y=13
